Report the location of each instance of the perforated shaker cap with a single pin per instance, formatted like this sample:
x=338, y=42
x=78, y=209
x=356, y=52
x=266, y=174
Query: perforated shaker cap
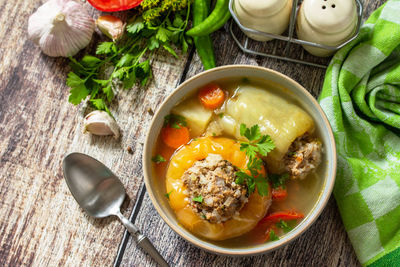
x=330, y=16
x=260, y=8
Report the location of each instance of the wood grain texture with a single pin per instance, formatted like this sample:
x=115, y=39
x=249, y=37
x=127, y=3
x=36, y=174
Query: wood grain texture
x=40, y=223
x=324, y=244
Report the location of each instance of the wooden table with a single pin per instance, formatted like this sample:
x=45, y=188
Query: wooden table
x=41, y=224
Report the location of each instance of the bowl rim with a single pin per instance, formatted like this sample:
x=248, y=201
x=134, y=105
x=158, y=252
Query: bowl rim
x=310, y=219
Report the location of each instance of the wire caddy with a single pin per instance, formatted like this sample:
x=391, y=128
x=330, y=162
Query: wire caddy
x=244, y=42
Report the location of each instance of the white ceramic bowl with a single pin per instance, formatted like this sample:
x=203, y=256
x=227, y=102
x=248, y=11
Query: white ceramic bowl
x=156, y=190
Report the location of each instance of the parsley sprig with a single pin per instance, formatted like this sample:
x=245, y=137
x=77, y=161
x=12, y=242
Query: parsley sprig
x=278, y=180
x=257, y=145
x=125, y=63
x=175, y=121
x=273, y=236
x=158, y=159
x=284, y=225
x=198, y=199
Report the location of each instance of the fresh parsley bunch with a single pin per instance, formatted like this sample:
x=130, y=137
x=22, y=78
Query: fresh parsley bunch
x=257, y=145
x=122, y=64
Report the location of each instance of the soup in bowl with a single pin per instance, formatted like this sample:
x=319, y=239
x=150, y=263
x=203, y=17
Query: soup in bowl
x=239, y=160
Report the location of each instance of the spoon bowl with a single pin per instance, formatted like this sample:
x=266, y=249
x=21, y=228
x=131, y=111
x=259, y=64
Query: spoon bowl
x=96, y=189
x=100, y=193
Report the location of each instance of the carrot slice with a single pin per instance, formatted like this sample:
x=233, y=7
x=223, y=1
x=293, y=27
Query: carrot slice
x=282, y=215
x=211, y=96
x=175, y=137
x=279, y=193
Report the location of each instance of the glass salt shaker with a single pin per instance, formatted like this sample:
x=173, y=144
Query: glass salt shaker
x=270, y=16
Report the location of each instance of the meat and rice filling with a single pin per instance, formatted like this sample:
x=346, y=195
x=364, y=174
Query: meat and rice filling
x=212, y=191
x=304, y=155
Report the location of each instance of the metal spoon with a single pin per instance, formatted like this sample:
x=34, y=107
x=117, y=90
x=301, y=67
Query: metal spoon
x=100, y=193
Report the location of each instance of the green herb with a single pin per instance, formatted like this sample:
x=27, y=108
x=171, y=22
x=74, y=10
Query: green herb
x=283, y=225
x=168, y=194
x=261, y=144
x=203, y=216
x=158, y=158
x=175, y=121
x=88, y=77
x=214, y=134
x=273, y=236
x=221, y=115
x=278, y=180
x=198, y=199
x=123, y=64
x=257, y=145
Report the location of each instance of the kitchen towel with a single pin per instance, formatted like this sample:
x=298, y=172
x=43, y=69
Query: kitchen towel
x=361, y=98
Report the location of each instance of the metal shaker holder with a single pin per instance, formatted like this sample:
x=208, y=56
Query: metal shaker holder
x=245, y=43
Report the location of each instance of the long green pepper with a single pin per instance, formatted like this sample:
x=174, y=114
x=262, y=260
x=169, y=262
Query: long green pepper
x=204, y=44
x=218, y=17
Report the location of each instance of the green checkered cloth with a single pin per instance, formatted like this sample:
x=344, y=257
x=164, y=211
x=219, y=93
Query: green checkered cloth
x=361, y=98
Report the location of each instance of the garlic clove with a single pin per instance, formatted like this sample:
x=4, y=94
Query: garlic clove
x=111, y=26
x=61, y=27
x=100, y=123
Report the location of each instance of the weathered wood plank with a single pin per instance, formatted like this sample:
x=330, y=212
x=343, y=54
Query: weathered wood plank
x=324, y=244
x=40, y=223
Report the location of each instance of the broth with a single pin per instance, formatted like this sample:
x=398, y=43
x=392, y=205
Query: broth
x=302, y=194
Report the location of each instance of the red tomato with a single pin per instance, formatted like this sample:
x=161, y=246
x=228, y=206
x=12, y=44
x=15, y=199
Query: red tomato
x=114, y=5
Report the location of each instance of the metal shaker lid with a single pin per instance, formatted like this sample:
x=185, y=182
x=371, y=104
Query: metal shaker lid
x=330, y=16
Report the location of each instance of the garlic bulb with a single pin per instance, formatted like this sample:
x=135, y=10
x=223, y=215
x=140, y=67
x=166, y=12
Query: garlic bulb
x=61, y=27
x=111, y=26
x=100, y=123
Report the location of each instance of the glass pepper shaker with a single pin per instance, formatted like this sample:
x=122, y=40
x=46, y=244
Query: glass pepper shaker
x=328, y=22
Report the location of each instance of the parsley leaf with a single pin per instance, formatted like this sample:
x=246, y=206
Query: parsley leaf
x=158, y=158
x=163, y=34
x=273, y=236
x=153, y=43
x=125, y=60
x=265, y=145
x=262, y=186
x=261, y=144
x=78, y=91
x=168, y=194
x=136, y=26
x=278, y=180
x=256, y=145
x=170, y=50
x=106, y=48
x=283, y=225
x=175, y=121
x=98, y=103
x=252, y=134
x=74, y=80
x=198, y=199
x=90, y=61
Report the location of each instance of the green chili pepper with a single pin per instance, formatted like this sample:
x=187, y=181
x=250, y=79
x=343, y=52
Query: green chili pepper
x=218, y=17
x=204, y=44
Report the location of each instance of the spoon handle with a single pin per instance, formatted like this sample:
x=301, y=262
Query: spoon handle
x=142, y=241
